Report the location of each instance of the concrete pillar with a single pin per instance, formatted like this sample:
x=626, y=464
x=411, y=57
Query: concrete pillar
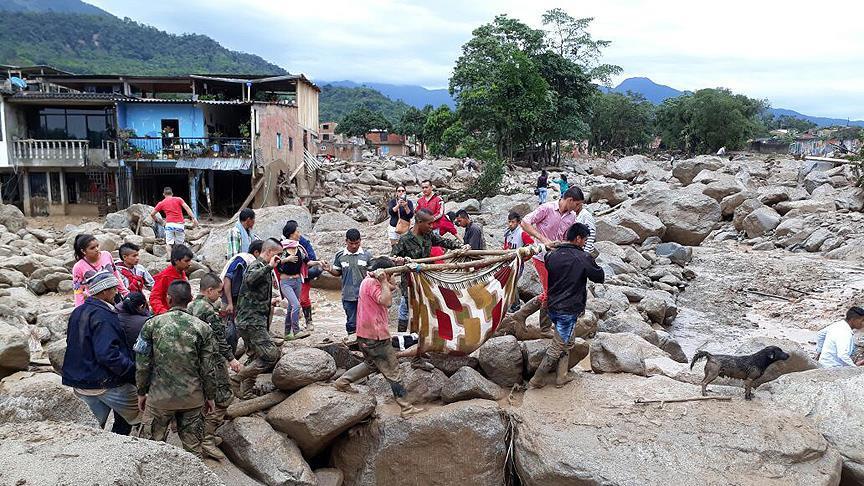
x=25, y=197
x=193, y=192
x=48, y=185
x=63, y=196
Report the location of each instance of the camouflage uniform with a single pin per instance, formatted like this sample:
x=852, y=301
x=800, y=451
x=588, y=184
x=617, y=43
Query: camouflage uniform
x=253, y=324
x=174, y=368
x=206, y=311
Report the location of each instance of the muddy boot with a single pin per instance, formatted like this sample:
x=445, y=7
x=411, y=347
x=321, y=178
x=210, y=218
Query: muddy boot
x=545, y=322
x=408, y=409
x=561, y=376
x=403, y=325
x=517, y=319
x=307, y=316
x=539, y=378
x=246, y=387
x=355, y=374
x=208, y=447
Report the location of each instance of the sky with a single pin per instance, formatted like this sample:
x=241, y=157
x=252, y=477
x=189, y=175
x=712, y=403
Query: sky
x=792, y=53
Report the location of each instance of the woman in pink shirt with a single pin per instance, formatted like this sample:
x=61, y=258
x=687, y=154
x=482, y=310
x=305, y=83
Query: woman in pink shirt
x=90, y=261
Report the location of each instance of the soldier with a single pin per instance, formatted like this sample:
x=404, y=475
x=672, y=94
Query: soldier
x=203, y=307
x=253, y=316
x=175, y=375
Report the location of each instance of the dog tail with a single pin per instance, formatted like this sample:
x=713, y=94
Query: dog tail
x=698, y=356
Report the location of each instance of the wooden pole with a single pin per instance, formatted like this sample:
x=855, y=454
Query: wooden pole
x=248, y=407
x=459, y=253
x=425, y=267
x=246, y=202
x=679, y=400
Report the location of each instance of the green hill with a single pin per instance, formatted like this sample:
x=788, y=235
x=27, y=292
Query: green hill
x=90, y=42
x=336, y=102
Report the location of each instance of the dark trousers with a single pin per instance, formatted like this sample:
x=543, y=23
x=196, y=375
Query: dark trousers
x=350, y=307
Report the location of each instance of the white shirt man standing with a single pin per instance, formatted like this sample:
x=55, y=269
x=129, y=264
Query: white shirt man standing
x=836, y=343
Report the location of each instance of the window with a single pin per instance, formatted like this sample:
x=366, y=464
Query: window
x=94, y=125
x=278, y=141
x=326, y=127
x=290, y=144
x=325, y=136
x=383, y=136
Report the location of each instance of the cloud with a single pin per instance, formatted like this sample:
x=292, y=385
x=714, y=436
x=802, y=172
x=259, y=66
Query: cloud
x=783, y=52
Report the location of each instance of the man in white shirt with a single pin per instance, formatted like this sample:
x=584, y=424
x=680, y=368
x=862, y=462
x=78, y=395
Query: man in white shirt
x=835, y=343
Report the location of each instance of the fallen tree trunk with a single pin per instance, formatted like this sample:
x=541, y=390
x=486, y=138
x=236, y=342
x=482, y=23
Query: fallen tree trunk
x=248, y=407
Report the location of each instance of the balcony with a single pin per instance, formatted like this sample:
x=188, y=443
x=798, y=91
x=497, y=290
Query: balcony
x=180, y=148
x=61, y=153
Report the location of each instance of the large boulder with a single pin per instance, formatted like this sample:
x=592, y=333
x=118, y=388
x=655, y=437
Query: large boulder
x=592, y=433
x=268, y=224
x=679, y=254
x=833, y=399
x=340, y=222
x=760, y=221
x=66, y=453
x=628, y=168
x=421, y=386
x=613, y=193
x=607, y=231
x=805, y=206
x=534, y=350
x=265, y=454
x=643, y=224
x=40, y=398
x=299, y=367
x=689, y=218
x=799, y=358
x=501, y=360
x=463, y=440
x=15, y=350
x=467, y=384
x=622, y=353
x=12, y=218
x=316, y=414
x=686, y=170
x=629, y=322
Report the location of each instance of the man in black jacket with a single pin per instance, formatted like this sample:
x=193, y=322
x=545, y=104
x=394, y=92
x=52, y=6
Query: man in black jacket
x=98, y=364
x=570, y=267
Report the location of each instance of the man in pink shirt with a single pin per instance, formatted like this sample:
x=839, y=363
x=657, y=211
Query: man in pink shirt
x=373, y=335
x=548, y=223
x=173, y=208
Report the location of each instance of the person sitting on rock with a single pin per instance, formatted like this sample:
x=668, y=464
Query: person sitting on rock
x=373, y=336
x=570, y=268
x=836, y=343
x=134, y=276
x=181, y=260
x=175, y=375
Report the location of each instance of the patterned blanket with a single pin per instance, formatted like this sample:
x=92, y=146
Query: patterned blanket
x=455, y=311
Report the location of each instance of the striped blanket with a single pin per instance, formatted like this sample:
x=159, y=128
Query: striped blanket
x=455, y=311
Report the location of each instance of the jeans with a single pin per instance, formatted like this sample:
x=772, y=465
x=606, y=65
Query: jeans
x=403, y=308
x=350, y=307
x=291, y=289
x=562, y=342
x=123, y=400
x=542, y=192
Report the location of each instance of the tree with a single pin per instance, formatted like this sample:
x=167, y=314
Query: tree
x=572, y=90
x=621, y=121
x=437, y=122
x=413, y=123
x=361, y=121
x=709, y=119
x=569, y=37
x=788, y=122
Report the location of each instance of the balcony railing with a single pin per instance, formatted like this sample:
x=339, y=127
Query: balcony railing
x=185, y=148
x=51, y=149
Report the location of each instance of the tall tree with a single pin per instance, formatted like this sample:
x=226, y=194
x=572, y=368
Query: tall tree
x=569, y=37
x=621, y=121
x=361, y=121
x=413, y=123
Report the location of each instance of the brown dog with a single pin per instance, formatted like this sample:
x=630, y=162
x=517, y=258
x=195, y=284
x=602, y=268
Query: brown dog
x=748, y=368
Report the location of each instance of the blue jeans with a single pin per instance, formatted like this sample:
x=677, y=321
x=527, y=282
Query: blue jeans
x=350, y=307
x=291, y=288
x=122, y=399
x=562, y=342
x=403, y=308
x=542, y=192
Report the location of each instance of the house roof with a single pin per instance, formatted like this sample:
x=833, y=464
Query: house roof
x=78, y=98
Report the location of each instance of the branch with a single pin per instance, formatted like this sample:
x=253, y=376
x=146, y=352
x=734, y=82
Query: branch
x=679, y=400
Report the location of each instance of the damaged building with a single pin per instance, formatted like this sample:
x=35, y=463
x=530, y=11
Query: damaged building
x=92, y=144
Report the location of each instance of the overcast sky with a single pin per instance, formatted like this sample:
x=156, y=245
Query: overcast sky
x=799, y=55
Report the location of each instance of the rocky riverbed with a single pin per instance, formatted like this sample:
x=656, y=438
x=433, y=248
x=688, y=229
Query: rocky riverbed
x=702, y=253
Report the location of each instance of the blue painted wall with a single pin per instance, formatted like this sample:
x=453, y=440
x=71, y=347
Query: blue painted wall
x=146, y=118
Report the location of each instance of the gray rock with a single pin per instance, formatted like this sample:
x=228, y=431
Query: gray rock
x=67, y=453
x=816, y=239
x=621, y=353
x=613, y=193
x=470, y=205
x=451, y=364
x=117, y=220
x=689, y=218
x=629, y=322
x=534, y=350
x=422, y=386
x=760, y=221
x=265, y=454
x=40, y=398
x=679, y=254
x=15, y=350
x=56, y=352
x=299, y=367
x=805, y=206
x=501, y=360
x=592, y=433
x=12, y=218
x=619, y=235
x=628, y=168
x=686, y=170
x=643, y=224
x=467, y=384
x=773, y=195
x=335, y=222
x=316, y=414
x=744, y=210
x=667, y=343
x=329, y=477
x=722, y=188
x=391, y=450
x=789, y=227
x=833, y=399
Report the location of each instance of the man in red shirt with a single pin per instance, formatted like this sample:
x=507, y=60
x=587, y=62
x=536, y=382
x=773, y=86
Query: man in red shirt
x=173, y=208
x=181, y=260
x=433, y=203
x=373, y=335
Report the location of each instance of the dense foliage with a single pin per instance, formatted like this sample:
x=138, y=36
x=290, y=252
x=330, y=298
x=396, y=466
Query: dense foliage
x=335, y=103
x=85, y=44
x=361, y=121
x=621, y=121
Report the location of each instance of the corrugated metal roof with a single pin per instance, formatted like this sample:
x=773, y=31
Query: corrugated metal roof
x=203, y=102
x=215, y=163
x=39, y=95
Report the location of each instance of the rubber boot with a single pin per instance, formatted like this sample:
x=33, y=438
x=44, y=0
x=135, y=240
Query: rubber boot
x=246, y=387
x=408, y=409
x=307, y=316
x=545, y=321
x=355, y=374
x=539, y=378
x=561, y=375
x=403, y=325
x=208, y=447
x=519, y=317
